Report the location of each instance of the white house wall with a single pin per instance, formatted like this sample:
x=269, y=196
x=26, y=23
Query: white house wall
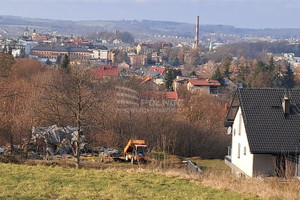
x=244, y=162
x=103, y=54
x=193, y=88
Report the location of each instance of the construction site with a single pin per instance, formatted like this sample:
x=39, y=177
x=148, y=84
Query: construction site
x=54, y=146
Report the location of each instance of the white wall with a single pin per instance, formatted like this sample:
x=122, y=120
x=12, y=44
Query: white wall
x=244, y=162
x=16, y=52
x=103, y=54
x=94, y=54
x=205, y=89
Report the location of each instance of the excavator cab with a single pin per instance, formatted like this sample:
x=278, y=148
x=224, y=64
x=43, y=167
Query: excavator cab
x=136, y=150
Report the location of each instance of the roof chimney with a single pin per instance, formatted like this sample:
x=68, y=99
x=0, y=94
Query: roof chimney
x=286, y=105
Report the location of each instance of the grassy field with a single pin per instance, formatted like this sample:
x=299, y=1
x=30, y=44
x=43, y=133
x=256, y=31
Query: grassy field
x=42, y=182
x=218, y=175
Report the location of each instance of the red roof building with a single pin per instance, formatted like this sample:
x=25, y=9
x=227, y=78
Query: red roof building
x=172, y=95
x=106, y=71
x=161, y=70
x=207, y=82
x=148, y=94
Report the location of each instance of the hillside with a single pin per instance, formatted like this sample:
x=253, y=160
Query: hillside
x=40, y=182
x=12, y=26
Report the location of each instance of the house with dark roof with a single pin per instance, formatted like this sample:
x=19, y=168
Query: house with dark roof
x=265, y=129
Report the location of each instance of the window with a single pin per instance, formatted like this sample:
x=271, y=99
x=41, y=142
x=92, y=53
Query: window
x=244, y=150
x=234, y=131
x=239, y=150
x=240, y=124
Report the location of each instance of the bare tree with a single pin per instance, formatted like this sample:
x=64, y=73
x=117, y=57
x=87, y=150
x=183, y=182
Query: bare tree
x=69, y=100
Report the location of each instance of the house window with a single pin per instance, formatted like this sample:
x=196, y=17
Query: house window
x=239, y=150
x=234, y=131
x=240, y=124
x=244, y=150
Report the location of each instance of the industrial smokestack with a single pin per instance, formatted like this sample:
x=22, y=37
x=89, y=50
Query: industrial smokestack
x=197, y=32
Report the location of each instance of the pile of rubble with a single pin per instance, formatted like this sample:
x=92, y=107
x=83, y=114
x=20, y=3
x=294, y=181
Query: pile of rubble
x=54, y=140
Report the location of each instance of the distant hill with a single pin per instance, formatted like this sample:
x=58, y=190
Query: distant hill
x=139, y=28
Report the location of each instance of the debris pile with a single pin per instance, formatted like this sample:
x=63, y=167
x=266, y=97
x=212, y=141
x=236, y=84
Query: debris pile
x=54, y=140
x=107, y=151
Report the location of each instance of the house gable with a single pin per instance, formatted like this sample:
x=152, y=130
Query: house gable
x=269, y=130
x=241, y=156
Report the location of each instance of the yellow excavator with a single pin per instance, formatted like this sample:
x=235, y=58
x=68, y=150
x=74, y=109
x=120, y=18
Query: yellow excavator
x=136, y=151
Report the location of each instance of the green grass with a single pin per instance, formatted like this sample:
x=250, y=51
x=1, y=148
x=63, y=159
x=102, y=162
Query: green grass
x=41, y=182
x=215, y=165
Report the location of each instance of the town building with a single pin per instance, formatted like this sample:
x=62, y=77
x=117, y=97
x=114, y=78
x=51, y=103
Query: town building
x=207, y=86
x=106, y=71
x=54, y=52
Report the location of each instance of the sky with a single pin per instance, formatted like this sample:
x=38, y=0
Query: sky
x=239, y=13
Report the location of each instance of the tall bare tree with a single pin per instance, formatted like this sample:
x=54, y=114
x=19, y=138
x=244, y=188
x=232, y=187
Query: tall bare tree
x=69, y=100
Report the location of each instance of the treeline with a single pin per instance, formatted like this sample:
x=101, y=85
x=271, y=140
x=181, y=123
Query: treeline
x=256, y=74
x=125, y=36
x=34, y=95
x=253, y=50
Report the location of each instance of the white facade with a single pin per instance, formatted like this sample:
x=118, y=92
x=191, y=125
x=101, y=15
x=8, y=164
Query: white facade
x=203, y=88
x=95, y=54
x=16, y=52
x=99, y=54
x=103, y=54
x=242, y=159
x=240, y=153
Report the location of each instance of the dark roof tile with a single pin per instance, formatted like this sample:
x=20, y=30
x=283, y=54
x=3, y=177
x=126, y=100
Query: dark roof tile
x=268, y=129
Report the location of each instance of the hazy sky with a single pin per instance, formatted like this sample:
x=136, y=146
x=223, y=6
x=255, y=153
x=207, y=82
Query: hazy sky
x=240, y=13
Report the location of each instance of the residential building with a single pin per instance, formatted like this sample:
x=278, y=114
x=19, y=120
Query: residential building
x=106, y=71
x=207, y=86
x=161, y=70
x=265, y=128
x=179, y=81
x=138, y=60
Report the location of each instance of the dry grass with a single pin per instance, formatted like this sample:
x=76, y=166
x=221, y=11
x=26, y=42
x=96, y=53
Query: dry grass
x=42, y=182
x=217, y=175
x=269, y=188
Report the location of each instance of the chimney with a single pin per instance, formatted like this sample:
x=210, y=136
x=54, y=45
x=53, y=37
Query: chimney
x=197, y=32
x=286, y=105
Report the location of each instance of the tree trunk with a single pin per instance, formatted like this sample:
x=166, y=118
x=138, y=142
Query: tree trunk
x=77, y=149
x=78, y=156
